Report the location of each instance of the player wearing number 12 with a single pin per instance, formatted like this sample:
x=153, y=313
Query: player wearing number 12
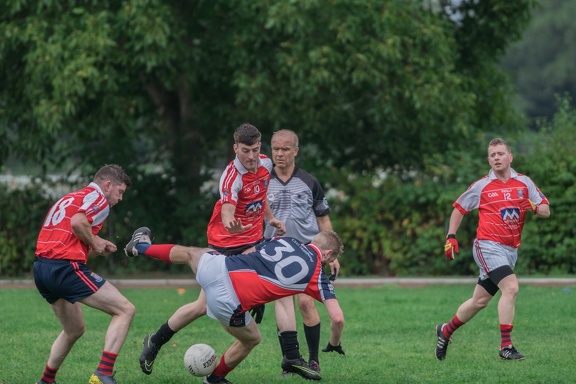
x=273, y=269
x=68, y=236
x=503, y=198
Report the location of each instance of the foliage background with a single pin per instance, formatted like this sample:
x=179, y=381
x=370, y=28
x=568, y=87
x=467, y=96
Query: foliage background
x=394, y=103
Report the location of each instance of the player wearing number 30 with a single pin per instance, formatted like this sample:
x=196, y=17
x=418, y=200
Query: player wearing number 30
x=273, y=269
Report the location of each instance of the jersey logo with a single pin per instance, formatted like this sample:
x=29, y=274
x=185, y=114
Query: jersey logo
x=510, y=215
x=521, y=193
x=254, y=208
x=93, y=208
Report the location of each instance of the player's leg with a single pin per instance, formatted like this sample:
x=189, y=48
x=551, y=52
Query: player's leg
x=311, y=319
x=183, y=316
x=109, y=300
x=70, y=317
x=490, y=257
x=188, y=313
x=506, y=308
x=286, y=323
x=247, y=337
x=483, y=293
x=141, y=245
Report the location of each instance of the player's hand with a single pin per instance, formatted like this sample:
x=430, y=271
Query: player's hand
x=528, y=205
x=110, y=248
x=279, y=225
x=450, y=247
x=235, y=226
x=333, y=275
x=334, y=267
x=330, y=348
x=258, y=313
x=101, y=247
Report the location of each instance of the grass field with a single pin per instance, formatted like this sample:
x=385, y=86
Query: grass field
x=389, y=338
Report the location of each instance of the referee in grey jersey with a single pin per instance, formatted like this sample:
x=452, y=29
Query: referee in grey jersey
x=297, y=198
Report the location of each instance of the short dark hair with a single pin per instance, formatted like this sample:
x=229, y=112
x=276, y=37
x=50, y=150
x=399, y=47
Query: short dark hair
x=247, y=134
x=112, y=172
x=498, y=141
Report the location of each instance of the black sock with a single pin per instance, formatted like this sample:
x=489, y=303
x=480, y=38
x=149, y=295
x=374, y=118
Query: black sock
x=162, y=335
x=290, y=347
x=313, y=339
x=280, y=341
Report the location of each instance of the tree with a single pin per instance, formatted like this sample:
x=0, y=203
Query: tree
x=371, y=83
x=542, y=62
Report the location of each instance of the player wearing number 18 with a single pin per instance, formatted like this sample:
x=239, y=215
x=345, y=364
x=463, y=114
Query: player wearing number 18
x=68, y=236
x=273, y=269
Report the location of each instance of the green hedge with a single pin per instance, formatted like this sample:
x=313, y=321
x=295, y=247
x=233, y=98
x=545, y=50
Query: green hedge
x=391, y=226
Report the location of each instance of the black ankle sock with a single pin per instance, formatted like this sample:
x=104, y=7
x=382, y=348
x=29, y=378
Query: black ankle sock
x=290, y=347
x=280, y=341
x=162, y=335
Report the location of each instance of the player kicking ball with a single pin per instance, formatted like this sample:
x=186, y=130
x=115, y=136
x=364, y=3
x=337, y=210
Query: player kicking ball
x=274, y=270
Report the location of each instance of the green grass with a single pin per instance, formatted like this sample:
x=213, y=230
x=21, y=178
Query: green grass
x=389, y=338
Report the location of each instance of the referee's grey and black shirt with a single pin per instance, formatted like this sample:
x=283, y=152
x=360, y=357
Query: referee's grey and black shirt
x=297, y=203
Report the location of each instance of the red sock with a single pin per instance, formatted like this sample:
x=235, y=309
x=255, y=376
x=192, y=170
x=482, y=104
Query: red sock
x=222, y=369
x=107, y=361
x=160, y=251
x=505, y=330
x=452, y=326
x=49, y=374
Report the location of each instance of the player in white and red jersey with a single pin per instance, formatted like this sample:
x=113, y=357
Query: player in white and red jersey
x=236, y=225
x=57, y=239
x=243, y=193
x=503, y=199
x=274, y=269
x=68, y=236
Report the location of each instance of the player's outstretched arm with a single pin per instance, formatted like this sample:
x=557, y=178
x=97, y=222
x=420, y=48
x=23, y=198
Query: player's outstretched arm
x=336, y=323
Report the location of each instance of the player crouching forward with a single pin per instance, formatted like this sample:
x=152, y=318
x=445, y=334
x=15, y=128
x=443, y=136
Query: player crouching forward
x=274, y=269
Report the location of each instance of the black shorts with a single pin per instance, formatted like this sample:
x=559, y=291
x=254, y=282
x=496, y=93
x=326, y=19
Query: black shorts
x=235, y=250
x=65, y=279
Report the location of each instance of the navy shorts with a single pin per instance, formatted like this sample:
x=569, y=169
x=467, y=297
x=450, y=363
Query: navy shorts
x=65, y=279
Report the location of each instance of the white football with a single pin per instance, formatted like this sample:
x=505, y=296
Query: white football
x=200, y=360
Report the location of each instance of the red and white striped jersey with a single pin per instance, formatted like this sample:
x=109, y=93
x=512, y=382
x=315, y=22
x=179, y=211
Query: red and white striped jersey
x=56, y=239
x=500, y=218
x=247, y=191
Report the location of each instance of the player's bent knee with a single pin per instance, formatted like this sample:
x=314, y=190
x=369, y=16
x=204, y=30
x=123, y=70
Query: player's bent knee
x=130, y=310
x=75, y=333
x=254, y=341
x=482, y=303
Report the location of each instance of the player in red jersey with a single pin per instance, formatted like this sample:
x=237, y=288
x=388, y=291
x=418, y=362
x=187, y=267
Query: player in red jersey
x=503, y=199
x=236, y=225
x=68, y=236
x=273, y=269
